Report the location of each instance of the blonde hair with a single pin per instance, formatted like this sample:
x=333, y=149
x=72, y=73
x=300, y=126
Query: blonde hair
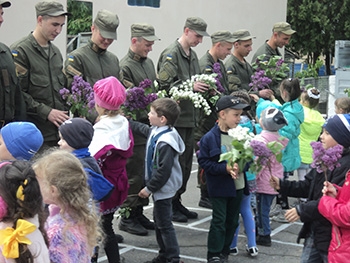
x=64, y=171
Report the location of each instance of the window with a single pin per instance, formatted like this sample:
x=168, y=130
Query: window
x=151, y=3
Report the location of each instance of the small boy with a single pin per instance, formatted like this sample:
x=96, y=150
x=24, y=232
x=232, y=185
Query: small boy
x=19, y=141
x=75, y=137
x=162, y=172
x=271, y=120
x=225, y=187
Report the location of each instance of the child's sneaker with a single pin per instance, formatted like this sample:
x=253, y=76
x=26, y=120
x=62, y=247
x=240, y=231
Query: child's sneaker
x=264, y=241
x=214, y=260
x=234, y=251
x=253, y=251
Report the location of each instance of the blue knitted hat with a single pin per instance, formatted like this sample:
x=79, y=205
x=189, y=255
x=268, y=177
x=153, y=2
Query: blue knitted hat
x=22, y=139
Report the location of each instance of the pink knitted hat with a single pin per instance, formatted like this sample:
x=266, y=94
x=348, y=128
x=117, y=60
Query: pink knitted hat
x=109, y=93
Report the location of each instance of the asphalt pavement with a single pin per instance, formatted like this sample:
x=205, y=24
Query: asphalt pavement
x=192, y=237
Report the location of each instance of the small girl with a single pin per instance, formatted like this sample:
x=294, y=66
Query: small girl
x=310, y=129
x=294, y=113
x=248, y=201
x=21, y=211
x=271, y=121
x=111, y=145
x=342, y=105
x=72, y=226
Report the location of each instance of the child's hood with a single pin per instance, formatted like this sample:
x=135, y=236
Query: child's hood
x=294, y=108
x=174, y=139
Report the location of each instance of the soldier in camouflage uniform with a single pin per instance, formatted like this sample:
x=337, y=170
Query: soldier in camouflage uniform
x=222, y=42
x=93, y=61
x=136, y=67
x=177, y=63
x=12, y=106
x=239, y=71
x=281, y=34
x=39, y=65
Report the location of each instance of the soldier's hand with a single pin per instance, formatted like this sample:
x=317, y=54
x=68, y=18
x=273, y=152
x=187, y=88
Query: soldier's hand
x=57, y=117
x=265, y=93
x=200, y=87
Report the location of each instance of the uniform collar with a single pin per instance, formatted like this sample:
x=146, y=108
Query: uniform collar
x=95, y=48
x=135, y=56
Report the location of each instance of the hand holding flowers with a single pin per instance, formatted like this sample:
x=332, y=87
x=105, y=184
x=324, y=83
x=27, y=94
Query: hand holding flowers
x=80, y=98
x=138, y=99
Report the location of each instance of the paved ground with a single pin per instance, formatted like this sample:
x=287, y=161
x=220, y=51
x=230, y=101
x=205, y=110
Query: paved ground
x=192, y=237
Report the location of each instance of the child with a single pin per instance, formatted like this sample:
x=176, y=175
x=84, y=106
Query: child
x=342, y=105
x=19, y=141
x=334, y=206
x=72, y=226
x=75, y=137
x=21, y=211
x=111, y=146
x=248, y=201
x=316, y=229
x=294, y=113
x=162, y=172
x=271, y=120
x=225, y=187
x=310, y=129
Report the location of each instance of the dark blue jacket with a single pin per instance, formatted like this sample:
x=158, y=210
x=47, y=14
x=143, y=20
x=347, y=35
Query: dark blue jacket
x=219, y=182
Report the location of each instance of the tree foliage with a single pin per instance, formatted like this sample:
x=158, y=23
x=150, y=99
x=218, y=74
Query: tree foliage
x=319, y=23
x=81, y=18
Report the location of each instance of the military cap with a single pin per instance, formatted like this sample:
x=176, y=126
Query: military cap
x=50, y=9
x=283, y=27
x=198, y=25
x=5, y=3
x=145, y=31
x=107, y=23
x=242, y=34
x=221, y=36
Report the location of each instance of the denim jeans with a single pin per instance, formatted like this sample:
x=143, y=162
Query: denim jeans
x=311, y=254
x=263, y=221
x=165, y=232
x=248, y=221
x=223, y=224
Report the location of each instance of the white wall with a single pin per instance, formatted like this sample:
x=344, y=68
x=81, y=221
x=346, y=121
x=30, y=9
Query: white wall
x=255, y=15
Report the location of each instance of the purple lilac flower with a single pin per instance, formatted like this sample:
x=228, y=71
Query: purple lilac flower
x=217, y=70
x=325, y=159
x=137, y=99
x=259, y=80
x=261, y=151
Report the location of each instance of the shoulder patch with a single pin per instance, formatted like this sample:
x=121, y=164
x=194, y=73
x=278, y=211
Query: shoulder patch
x=71, y=58
x=169, y=57
x=72, y=71
x=20, y=69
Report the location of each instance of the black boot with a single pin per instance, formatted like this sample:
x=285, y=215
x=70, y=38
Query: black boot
x=144, y=221
x=132, y=225
x=177, y=215
x=189, y=214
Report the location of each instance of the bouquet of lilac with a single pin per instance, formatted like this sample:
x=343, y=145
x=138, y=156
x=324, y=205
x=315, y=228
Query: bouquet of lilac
x=138, y=99
x=263, y=153
x=268, y=71
x=80, y=98
x=325, y=159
